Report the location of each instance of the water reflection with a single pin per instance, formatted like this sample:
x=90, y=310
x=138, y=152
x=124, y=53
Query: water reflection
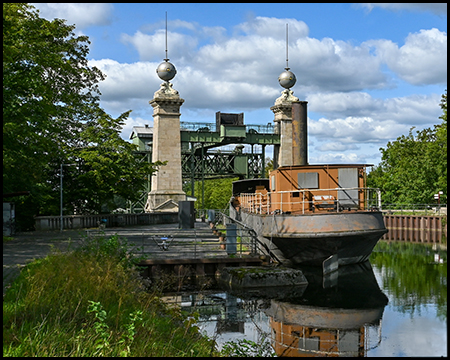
x=335, y=315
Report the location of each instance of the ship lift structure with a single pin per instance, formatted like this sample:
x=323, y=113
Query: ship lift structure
x=203, y=156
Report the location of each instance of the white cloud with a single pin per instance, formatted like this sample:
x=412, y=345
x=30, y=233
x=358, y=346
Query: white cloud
x=412, y=109
x=421, y=60
x=274, y=27
x=131, y=122
x=127, y=81
x=436, y=8
x=82, y=15
x=337, y=158
x=335, y=65
x=355, y=130
x=337, y=146
x=238, y=73
x=152, y=47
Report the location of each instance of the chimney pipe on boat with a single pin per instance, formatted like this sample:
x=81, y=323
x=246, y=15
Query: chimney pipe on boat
x=299, y=133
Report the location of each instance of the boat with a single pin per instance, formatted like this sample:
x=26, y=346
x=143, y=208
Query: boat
x=309, y=214
x=304, y=213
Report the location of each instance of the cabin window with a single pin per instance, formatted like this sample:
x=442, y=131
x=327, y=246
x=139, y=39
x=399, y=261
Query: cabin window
x=296, y=194
x=272, y=183
x=348, y=178
x=308, y=180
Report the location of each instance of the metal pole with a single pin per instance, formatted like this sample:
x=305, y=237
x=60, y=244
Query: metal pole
x=61, y=194
x=203, y=178
x=61, y=197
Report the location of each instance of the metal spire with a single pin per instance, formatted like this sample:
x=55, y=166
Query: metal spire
x=167, y=58
x=166, y=71
x=287, y=47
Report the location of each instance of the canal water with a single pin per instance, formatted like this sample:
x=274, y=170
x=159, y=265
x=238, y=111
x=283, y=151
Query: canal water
x=395, y=304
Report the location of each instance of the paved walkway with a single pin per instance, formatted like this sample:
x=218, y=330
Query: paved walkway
x=27, y=246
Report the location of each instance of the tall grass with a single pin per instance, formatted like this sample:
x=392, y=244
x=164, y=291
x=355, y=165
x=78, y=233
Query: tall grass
x=92, y=302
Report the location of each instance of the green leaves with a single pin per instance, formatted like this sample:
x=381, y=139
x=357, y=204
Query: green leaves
x=52, y=116
x=414, y=167
x=217, y=193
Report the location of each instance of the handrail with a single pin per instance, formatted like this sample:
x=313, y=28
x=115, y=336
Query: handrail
x=264, y=203
x=171, y=243
x=254, y=236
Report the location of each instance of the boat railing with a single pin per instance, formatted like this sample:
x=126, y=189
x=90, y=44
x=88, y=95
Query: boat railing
x=311, y=200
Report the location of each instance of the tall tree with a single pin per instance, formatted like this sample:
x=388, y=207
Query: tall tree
x=51, y=116
x=48, y=88
x=414, y=167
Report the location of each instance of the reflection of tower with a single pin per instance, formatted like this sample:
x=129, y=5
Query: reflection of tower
x=330, y=321
x=167, y=188
x=231, y=322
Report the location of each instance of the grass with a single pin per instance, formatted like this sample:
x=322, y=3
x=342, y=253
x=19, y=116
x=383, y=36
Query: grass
x=93, y=302
x=7, y=238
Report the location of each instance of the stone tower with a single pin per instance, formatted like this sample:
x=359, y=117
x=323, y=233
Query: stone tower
x=283, y=126
x=167, y=188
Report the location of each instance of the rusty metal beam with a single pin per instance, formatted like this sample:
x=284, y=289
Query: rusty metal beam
x=299, y=133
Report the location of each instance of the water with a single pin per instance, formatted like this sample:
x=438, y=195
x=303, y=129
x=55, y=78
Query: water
x=393, y=305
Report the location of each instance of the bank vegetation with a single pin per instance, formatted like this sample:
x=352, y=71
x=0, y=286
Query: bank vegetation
x=92, y=302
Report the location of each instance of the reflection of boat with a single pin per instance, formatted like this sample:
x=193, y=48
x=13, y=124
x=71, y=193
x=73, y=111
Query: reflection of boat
x=332, y=320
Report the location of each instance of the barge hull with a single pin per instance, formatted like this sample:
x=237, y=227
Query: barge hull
x=310, y=239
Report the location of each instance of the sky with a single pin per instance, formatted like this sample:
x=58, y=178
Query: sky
x=369, y=71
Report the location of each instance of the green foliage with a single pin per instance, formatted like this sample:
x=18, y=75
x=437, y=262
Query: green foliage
x=47, y=89
x=217, y=193
x=52, y=116
x=399, y=263
x=112, y=246
x=268, y=167
x=248, y=348
x=414, y=167
x=93, y=303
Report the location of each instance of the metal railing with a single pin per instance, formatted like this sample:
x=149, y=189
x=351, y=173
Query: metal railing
x=249, y=236
x=173, y=243
x=211, y=127
x=336, y=199
x=414, y=209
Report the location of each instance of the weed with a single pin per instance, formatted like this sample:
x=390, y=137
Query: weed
x=93, y=302
x=247, y=348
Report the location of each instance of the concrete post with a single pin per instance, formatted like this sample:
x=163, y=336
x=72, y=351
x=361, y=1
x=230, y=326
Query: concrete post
x=283, y=126
x=167, y=189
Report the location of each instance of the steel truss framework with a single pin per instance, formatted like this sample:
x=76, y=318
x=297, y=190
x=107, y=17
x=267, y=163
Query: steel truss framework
x=202, y=159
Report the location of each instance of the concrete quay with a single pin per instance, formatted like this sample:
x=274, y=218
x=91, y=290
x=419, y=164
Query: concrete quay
x=197, y=247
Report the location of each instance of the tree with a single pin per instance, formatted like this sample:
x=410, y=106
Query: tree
x=414, y=167
x=48, y=89
x=51, y=116
x=217, y=193
x=268, y=167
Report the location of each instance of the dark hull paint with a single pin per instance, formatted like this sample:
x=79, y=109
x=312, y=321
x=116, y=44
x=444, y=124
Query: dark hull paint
x=310, y=239
x=350, y=248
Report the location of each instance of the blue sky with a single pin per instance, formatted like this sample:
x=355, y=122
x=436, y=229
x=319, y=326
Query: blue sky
x=368, y=71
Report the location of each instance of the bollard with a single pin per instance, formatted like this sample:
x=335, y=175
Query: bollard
x=231, y=240
x=211, y=216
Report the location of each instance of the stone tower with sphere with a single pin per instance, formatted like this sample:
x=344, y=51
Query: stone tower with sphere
x=167, y=189
x=284, y=154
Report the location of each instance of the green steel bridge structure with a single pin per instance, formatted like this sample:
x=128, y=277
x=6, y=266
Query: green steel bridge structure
x=207, y=151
